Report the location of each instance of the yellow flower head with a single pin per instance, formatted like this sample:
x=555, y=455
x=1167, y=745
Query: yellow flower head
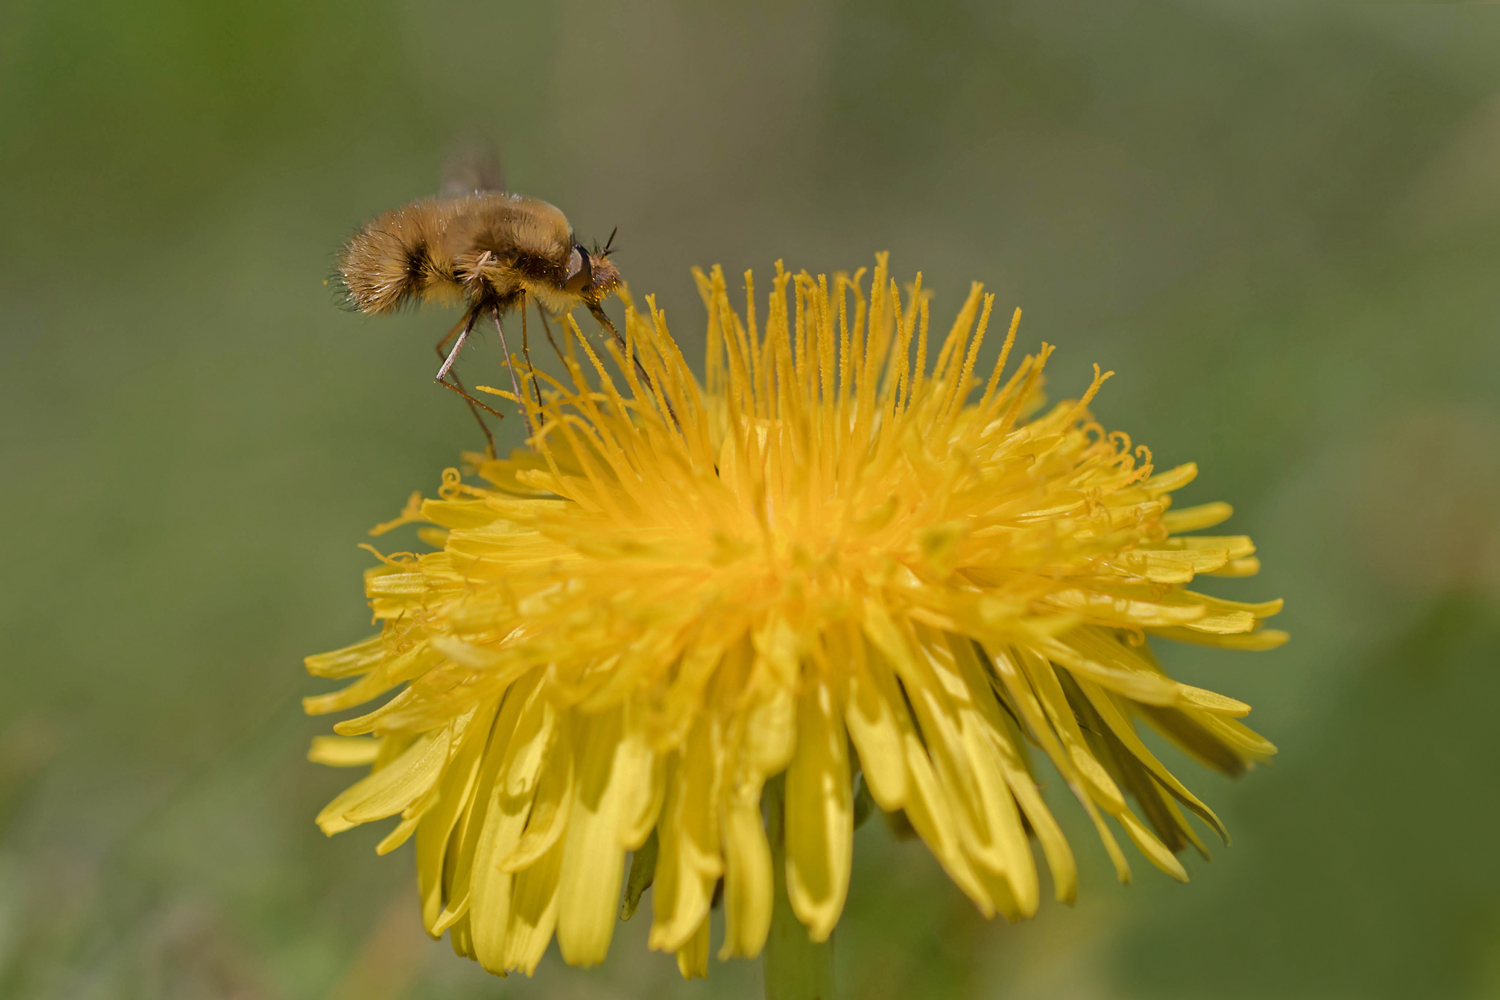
x=877, y=576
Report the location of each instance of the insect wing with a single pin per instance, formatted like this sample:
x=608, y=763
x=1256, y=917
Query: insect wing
x=473, y=165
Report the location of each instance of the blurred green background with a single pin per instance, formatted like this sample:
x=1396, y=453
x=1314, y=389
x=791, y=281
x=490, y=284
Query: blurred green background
x=1279, y=223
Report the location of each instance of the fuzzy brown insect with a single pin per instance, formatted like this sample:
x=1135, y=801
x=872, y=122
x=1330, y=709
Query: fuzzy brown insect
x=491, y=251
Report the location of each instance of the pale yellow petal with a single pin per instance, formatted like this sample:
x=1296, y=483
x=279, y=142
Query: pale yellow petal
x=490, y=888
x=1196, y=518
x=748, y=890
x=550, y=806
x=360, y=658
x=1011, y=853
x=434, y=835
x=594, y=859
x=1259, y=639
x=1151, y=846
x=692, y=957
x=819, y=813
x=1006, y=743
x=1009, y=669
x=391, y=789
x=411, y=818
x=343, y=751
x=533, y=912
x=688, y=861
x=499, y=821
x=870, y=717
x=931, y=815
x=1120, y=726
x=642, y=777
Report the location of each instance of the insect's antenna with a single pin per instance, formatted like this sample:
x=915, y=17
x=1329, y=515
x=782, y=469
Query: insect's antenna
x=609, y=242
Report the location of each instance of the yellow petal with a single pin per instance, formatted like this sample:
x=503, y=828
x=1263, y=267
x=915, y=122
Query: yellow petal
x=551, y=805
x=688, y=863
x=819, y=813
x=459, y=513
x=533, y=912
x=692, y=958
x=411, y=818
x=870, y=716
x=369, y=686
x=1260, y=639
x=343, y=751
x=748, y=890
x=1120, y=725
x=1151, y=846
x=391, y=789
x=1196, y=518
x=641, y=774
x=1008, y=667
x=360, y=658
x=500, y=821
x=1059, y=855
x=931, y=815
x=1010, y=848
x=594, y=859
x=1248, y=566
x=434, y=836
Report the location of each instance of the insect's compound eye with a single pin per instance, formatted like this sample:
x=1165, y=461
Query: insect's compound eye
x=580, y=271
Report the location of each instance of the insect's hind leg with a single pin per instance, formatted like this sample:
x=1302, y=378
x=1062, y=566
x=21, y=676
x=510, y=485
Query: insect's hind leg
x=462, y=329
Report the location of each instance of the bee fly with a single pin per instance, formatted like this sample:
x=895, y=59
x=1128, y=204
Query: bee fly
x=491, y=250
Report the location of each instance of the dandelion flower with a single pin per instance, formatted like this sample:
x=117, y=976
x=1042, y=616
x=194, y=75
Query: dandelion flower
x=835, y=570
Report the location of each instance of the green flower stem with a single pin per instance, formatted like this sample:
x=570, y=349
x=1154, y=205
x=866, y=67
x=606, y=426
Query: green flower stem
x=794, y=967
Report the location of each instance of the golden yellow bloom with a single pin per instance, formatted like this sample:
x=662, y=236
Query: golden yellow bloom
x=834, y=560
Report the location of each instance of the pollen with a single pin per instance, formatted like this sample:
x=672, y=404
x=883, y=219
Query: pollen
x=845, y=567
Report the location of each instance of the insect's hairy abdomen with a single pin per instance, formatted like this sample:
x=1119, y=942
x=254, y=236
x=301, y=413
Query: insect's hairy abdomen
x=400, y=257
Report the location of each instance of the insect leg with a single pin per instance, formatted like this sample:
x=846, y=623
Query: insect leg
x=442, y=346
x=536, y=390
x=473, y=405
x=550, y=339
x=597, y=311
x=463, y=329
x=514, y=383
x=467, y=325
